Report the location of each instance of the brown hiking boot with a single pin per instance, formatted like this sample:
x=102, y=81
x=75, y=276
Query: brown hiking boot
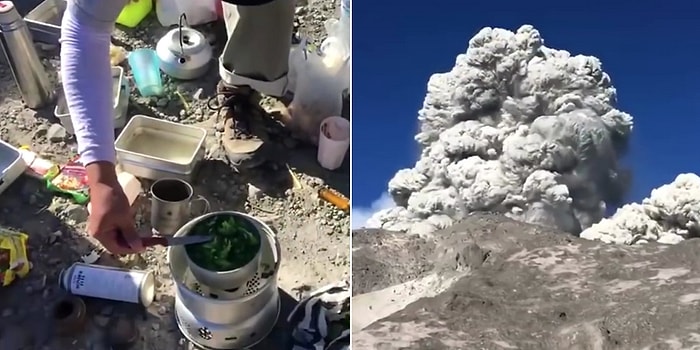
x=244, y=137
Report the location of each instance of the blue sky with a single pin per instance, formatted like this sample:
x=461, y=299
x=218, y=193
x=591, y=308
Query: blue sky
x=650, y=50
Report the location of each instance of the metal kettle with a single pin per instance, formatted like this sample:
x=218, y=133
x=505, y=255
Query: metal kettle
x=184, y=52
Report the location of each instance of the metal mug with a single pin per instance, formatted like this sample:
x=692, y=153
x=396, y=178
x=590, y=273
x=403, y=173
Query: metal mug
x=171, y=205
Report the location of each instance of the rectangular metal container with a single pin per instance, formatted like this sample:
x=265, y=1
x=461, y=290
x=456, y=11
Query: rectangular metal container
x=120, y=89
x=11, y=165
x=152, y=173
x=44, y=21
x=153, y=148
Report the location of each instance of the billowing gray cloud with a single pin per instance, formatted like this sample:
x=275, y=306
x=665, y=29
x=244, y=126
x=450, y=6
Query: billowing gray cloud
x=518, y=128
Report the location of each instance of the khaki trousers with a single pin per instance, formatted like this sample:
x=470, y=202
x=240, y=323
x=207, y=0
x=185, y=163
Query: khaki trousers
x=257, y=51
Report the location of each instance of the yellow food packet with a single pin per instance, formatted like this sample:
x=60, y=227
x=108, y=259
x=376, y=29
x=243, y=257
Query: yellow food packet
x=117, y=54
x=13, y=256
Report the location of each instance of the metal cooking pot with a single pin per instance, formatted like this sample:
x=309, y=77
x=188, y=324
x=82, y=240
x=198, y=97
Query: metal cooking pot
x=228, y=308
x=184, y=52
x=223, y=280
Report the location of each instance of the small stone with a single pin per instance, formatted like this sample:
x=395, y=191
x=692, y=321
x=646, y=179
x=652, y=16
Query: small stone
x=220, y=127
x=211, y=38
x=101, y=321
x=107, y=311
x=76, y=213
x=162, y=310
x=198, y=94
x=155, y=326
x=41, y=131
x=254, y=192
x=27, y=115
x=122, y=332
x=162, y=102
x=41, y=284
x=51, y=239
x=56, y=133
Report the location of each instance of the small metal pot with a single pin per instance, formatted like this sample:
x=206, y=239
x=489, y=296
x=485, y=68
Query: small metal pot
x=222, y=280
x=184, y=52
x=248, y=308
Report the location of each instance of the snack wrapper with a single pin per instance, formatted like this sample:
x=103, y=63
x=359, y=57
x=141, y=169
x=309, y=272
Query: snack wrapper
x=71, y=179
x=13, y=256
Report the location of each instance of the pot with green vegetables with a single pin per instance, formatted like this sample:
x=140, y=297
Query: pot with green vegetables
x=232, y=257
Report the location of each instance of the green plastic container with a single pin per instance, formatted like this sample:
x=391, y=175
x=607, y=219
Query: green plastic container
x=135, y=12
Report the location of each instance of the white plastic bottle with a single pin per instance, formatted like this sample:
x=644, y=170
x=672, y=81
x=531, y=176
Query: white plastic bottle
x=129, y=184
x=36, y=166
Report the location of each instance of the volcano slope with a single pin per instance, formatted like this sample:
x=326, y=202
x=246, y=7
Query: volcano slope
x=488, y=282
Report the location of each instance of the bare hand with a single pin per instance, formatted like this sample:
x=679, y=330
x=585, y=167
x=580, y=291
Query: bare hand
x=111, y=219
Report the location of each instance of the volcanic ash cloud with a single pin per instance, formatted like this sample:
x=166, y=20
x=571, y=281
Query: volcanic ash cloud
x=670, y=215
x=518, y=128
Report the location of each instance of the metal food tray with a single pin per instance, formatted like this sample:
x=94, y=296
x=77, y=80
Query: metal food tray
x=153, y=167
x=153, y=173
x=44, y=21
x=120, y=90
x=11, y=165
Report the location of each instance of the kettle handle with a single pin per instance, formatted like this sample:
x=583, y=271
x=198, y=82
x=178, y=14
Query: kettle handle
x=182, y=23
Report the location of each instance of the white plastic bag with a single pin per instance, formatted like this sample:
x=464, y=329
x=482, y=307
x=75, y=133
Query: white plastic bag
x=317, y=93
x=297, y=56
x=197, y=11
x=336, y=49
x=336, y=58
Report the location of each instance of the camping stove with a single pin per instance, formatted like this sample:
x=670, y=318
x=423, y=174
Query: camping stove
x=228, y=319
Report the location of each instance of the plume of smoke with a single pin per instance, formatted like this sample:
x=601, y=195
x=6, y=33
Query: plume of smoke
x=670, y=215
x=517, y=128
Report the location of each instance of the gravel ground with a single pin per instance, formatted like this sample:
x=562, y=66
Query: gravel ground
x=489, y=282
x=314, y=235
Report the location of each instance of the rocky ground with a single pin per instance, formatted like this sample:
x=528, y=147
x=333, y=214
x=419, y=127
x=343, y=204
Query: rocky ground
x=314, y=235
x=489, y=282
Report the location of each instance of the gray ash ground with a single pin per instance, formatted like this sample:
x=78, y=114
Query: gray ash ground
x=489, y=282
x=314, y=235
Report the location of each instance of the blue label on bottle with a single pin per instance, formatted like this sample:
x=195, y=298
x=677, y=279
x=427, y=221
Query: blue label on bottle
x=78, y=280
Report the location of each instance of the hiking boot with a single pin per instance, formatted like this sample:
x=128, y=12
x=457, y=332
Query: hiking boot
x=243, y=137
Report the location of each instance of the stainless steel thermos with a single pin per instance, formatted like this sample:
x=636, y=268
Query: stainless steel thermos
x=21, y=55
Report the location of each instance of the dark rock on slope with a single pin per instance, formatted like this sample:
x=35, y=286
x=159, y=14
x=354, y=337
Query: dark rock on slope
x=509, y=285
